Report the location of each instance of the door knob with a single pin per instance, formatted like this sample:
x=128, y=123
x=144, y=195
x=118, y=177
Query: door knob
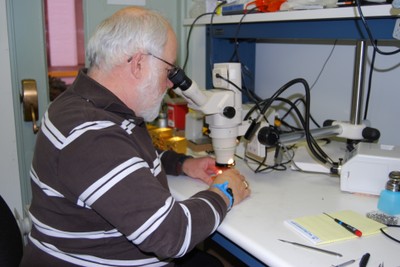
x=29, y=98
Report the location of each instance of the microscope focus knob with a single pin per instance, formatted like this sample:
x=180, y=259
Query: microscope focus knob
x=268, y=136
x=229, y=112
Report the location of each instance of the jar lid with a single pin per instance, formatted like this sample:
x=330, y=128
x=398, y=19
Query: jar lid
x=394, y=181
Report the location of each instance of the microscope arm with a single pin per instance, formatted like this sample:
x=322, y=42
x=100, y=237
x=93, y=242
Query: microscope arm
x=270, y=137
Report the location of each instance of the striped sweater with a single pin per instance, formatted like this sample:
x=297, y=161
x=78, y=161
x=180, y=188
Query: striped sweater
x=100, y=191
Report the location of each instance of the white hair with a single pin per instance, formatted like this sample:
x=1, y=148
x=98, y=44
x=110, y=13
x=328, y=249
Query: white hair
x=125, y=33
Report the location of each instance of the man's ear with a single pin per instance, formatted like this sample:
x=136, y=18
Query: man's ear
x=137, y=65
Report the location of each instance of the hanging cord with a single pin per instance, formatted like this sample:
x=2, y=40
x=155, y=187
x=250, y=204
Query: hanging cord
x=211, y=32
x=241, y=90
x=324, y=65
x=236, y=58
x=236, y=42
x=303, y=123
x=312, y=144
x=370, y=36
x=301, y=99
x=189, y=35
x=314, y=83
x=371, y=71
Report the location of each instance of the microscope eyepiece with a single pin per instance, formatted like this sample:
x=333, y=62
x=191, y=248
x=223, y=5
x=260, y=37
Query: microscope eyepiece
x=178, y=77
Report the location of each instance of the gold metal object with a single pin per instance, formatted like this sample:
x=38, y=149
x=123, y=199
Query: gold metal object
x=177, y=144
x=29, y=98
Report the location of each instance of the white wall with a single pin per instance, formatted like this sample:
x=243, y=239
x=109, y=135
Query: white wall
x=9, y=172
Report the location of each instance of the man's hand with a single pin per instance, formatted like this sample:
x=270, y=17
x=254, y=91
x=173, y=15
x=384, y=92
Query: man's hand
x=202, y=168
x=236, y=181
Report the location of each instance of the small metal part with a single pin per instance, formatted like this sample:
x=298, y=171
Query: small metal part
x=394, y=181
x=344, y=263
x=383, y=218
x=313, y=248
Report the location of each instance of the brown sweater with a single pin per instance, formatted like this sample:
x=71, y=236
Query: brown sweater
x=100, y=190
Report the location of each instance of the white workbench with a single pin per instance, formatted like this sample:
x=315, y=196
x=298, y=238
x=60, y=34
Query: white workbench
x=256, y=224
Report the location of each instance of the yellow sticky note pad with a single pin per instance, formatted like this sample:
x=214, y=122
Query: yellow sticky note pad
x=321, y=229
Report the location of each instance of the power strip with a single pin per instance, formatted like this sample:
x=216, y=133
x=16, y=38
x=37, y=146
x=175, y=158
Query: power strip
x=396, y=30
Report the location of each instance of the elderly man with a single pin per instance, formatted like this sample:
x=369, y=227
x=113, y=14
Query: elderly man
x=100, y=192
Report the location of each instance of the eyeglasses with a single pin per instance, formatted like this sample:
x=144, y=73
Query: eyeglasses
x=170, y=71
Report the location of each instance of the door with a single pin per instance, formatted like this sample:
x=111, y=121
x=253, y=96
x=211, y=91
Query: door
x=25, y=24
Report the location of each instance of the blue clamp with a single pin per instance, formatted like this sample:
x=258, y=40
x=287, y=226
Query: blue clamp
x=227, y=192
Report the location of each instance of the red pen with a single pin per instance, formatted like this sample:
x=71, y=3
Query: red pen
x=347, y=226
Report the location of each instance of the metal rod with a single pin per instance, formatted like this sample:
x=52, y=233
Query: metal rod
x=324, y=132
x=313, y=248
x=358, y=83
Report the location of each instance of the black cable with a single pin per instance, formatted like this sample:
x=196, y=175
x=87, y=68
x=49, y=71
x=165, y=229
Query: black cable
x=262, y=162
x=301, y=99
x=324, y=65
x=312, y=86
x=188, y=38
x=253, y=97
x=303, y=123
x=279, y=99
x=316, y=80
x=287, y=101
x=211, y=32
x=371, y=71
x=229, y=81
x=312, y=145
x=247, y=72
x=237, y=87
x=275, y=167
x=387, y=235
x=291, y=127
x=311, y=141
x=370, y=36
x=294, y=107
x=236, y=43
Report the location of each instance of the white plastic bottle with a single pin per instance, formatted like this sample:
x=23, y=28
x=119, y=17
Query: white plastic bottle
x=193, y=125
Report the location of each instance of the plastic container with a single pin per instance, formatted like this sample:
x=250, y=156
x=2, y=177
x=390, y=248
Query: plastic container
x=193, y=125
x=176, y=112
x=162, y=120
x=389, y=200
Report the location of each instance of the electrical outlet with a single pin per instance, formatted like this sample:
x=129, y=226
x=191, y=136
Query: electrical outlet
x=396, y=31
x=223, y=72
